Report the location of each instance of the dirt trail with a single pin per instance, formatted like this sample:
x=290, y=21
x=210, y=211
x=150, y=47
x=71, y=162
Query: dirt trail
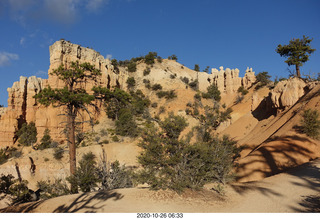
x=295, y=191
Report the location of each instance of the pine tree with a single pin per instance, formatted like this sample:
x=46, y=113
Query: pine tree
x=297, y=51
x=72, y=97
x=27, y=134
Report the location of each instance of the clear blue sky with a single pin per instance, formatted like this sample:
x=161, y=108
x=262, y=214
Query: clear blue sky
x=233, y=34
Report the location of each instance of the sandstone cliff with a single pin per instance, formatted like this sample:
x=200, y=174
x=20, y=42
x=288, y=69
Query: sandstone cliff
x=22, y=107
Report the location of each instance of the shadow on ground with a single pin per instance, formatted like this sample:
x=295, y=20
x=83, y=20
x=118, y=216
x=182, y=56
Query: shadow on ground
x=88, y=203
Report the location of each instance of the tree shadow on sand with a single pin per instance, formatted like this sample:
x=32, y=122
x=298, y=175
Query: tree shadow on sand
x=88, y=202
x=269, y=157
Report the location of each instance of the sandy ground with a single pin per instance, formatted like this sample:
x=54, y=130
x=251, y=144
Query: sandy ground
x=295, y=191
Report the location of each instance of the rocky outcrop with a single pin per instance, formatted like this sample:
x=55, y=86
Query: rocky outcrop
x=287, y=92
x=22, y=107
x=228, y=80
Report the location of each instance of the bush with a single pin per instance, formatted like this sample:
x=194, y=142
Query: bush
x=167, y=94
x=86, y=176
x=27, y=134
x=156, y=87
x=262, y=79
x=115, y=138
x=159, y=59
x=50, y=190
x=46, y=141
x=185, y=80
x=132, y=67
x=212, y=93
x=172, y=163
x=194, y=84
x=197, y=96
x=58, y=153
x=8, y=152
x=131, y=82
x=154, y=105
x=173, y=76
x=114, y=176
x=242, y=90
x=173, y=57
x=146, y=71
x=126, y=125
x=149, y=59
x=310, y=123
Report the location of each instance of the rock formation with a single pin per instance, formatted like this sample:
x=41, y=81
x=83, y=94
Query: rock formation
x=228, y=80
x=22, y=107
x=287, y=92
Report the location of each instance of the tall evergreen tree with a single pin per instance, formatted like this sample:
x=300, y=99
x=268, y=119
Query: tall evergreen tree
x=297, y=51
x=72, y=97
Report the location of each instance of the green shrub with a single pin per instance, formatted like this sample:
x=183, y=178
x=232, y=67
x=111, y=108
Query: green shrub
x=115, y=176
x=172, y=163
x=194, y=84
x=154, y=105
x=131, y=82
x=310, y=123
x=58, y=153
x=53, y=189
x=212, y=93
x=5, y=182
x=167, y=94
x=126, y=125
x=149, y=59
x=185, y=80
x=159, y=59
x=156, y=87
x=262, y=79
x=115, y=138
x=132, y=67
x=8, y=152
x=173, y=76
x=173, y=57
x=197, y=96
x=242, y=90
x=27, y=134
x=46, y=141
x=86, y=175
x=146, y=71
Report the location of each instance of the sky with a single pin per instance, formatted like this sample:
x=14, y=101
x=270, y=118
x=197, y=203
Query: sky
x=229, y=33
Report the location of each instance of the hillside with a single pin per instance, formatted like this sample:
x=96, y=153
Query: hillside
x=265, y=120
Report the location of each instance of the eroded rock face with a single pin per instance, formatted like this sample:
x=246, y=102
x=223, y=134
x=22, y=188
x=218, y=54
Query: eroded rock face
x=228, y=80
x=288, y=92
x=22, y=107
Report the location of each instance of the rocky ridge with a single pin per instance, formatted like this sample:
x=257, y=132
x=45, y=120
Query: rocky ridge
x=22, y=107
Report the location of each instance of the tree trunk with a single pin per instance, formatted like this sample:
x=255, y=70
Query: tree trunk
x=72, y=148
x=298, y=71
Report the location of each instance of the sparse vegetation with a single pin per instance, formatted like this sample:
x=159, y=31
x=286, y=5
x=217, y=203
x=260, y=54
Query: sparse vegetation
x=86, y=175
x=242, y=90
x=262, y=79
x=131, y=82
x=58, y=153
x=27, y=134
x=310, y=123
x=167, y=94
x=56, y=188
x=146, y=71
x=172, y=163
x=156, y=87
x=173, y=57
x=196, y=67
x=46, y=141
x=212, y=93
x=132, y=66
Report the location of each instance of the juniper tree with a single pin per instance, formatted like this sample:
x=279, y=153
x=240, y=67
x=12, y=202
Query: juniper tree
x=27, y=134
x=72, y=97
x=297, y=51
